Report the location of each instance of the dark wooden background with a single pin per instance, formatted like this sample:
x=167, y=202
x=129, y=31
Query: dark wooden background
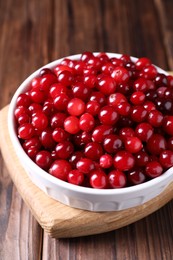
x=33, y=33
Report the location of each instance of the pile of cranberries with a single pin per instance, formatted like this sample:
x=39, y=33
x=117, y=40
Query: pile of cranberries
x=99, y=122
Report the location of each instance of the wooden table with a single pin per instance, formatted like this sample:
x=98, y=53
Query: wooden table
x=33, y=33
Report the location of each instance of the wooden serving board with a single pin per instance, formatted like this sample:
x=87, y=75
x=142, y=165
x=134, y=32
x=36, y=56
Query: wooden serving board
x=59, y=220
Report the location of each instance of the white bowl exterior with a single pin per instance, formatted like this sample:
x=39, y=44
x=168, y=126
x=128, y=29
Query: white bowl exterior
x=76, y=196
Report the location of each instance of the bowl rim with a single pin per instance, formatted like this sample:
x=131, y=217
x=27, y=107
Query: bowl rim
x=42, y=173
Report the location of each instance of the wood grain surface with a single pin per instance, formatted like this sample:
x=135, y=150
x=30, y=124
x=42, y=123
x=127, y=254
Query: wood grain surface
x=36, y=32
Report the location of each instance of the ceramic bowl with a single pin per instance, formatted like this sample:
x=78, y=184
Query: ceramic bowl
x=77, y=196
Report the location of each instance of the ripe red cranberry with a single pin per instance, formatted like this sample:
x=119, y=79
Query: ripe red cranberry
x=144, y=131
x=106, y=161
x=71, y=124
x=137, y=98
x=100, y=132
x=126, y=132
x=98, y=179
x=99, y=97
x=156, y=144
x=141, y=158
x=116, y=98
x=65, y=78
x=153, y=169
x=140, y=85
x=26, y=131
x=112, y=143
x=61, y=101
x=123, y=109
x=108, y=115
x=117, y=179
x=81, y=139
x=76, y=107
x=138, y=113
x=90, y=80
x=86, y=122
x=93, y=107
x=32, y=142
x=75, y=157
x=170, y=143
x=120, y=75
x=23, y=100
x=141, y=63
x=59, y=134
x=46, y=139
x=136, y=176
x=155, y=118
x=133, y=144
x=81, y=91
x=64, y=149
x=124, y=160
x=60, y=169
x=93, y=151
x=106, y=85
x=85, y=165
x=149, y=106
x=166, y=158
x=37, y=96
x=168, y=124
x=43, y=159
x=149, y=72
x=160, y=80
x=57, y=120
x=75, y=177
x=57, y=89
x=40, y=120
x=46, y=81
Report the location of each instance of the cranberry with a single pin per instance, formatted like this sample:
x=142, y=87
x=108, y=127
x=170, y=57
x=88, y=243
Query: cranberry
x=40, y=120
x=26, y=131
x=23, y=100
x=86, y=122
x=117, y=179
x=43, y=159
x=82, y=138
x=46, y=81
x=116, y=98
x=156, y=144
x=108, y=115
x=98, y=179
x=75, y=157
x=120, y=75
x=144, y=131
x=141, y=158
x=100, y=132
x=85, y=165
x=57, y=89
x=90, y=81
x=65, y=78
x=153, y=169
x=140, y=85
x=37, y=96
x=46, y=139
x=137, y=98
x=123, y=108
x=168, y=124
x=106, y=85
x=93, y=150
x=138, y=114
x=81, y=91
x=75, y=107
x=166, y=158
x=112, y=143
x=126, y=132
x=57, y=120
x=60, y=169
x=136, y=176
x=92, y=107
x=141, y=63
x=124, y=160
x=32, y=142
x=75, y=177
x=61, y=101
x=71, y=124
x=133, y=144
x=99, y=97
x=106, y=161
x=160, y=80
x=155, y=118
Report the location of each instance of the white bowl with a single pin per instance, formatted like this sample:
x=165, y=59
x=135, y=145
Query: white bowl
x=77, y=196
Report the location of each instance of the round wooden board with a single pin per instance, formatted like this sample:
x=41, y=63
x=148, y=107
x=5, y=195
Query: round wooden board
x=59, y=220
